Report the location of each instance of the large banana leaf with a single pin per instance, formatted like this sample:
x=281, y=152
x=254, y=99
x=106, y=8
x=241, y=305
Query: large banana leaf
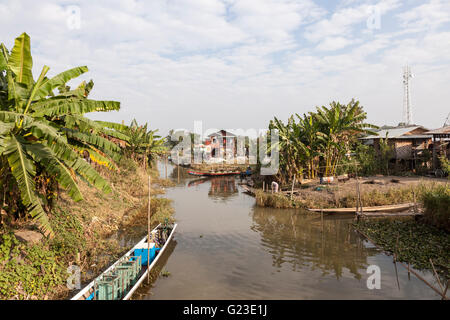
x=55, y=167
x=3, y=57
x=89, y=174
x=47, y=87
x=23, y=170
x=20, y=61
x=59, y=106
x=113, y=125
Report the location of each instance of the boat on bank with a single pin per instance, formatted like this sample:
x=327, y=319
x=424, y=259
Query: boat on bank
x=385, y=208
x=212, y=173
x=122, y=278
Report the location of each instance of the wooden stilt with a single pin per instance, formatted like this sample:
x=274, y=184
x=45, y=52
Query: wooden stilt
x=292, y=189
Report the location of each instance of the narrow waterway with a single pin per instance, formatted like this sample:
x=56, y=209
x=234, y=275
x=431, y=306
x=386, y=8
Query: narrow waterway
x=225, y=247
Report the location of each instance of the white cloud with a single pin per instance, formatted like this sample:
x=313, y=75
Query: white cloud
x=238, y=63
x=428, y=15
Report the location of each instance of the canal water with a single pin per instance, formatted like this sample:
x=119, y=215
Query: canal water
x=225, y=247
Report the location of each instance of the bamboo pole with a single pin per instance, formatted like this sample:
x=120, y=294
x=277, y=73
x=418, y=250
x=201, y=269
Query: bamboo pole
x=436, y=275
x=148, y=229
x=446, y=288
x=292, y=189
x=321, y=219
x=178, y=167
x=165, y=165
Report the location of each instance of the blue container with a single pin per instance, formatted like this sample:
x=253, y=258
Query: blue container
x=143, y=252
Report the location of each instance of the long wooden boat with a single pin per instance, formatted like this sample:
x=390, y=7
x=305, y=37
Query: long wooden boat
x=122, y=278
x=387, y=208
x=218, y=173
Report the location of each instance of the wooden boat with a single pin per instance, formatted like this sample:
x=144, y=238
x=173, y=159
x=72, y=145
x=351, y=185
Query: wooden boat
x=121, y=279
x=218, y=173
x=248, y=189
x=387, y=208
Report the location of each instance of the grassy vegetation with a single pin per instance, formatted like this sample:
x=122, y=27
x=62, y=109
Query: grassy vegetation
x=436, y=203
x=275, y=200
x=344, y=196
x=413, y=242
x=28, y=272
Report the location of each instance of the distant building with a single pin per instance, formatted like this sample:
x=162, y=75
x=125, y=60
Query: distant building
x=408, y=142
x=222, y=144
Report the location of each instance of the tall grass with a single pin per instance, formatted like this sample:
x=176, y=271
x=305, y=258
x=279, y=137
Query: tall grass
x=436, y=203
x=273, y=200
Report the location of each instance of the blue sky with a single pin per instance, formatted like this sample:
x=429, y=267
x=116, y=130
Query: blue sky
x=236, y=64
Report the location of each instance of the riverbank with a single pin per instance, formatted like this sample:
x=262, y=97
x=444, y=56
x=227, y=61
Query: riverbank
x=375, y=191
x=32, y=267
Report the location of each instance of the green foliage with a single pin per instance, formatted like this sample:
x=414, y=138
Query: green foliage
x=319, y=141
x=69, y=235
x=436, y=203
x=416, y=244
x=27, y=272
x=445, y=164
x=44, y=133
x=142, y=144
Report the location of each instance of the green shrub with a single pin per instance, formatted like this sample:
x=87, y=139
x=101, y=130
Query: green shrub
x=436, y=203
x=273, y=200
x=27, y=272
x=69, y=235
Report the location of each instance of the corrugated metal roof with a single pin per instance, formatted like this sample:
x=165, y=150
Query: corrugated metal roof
x=442, y=130
x=398, y=132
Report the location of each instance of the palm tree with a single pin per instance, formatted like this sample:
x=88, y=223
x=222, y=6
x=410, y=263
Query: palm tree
x=39, y=129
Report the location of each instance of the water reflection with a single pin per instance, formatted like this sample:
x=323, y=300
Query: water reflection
x=304, y=242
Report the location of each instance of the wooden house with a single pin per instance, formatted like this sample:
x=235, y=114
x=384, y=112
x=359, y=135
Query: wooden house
x=408, y=142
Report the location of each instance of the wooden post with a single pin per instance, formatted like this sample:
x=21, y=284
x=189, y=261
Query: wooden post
x=292, y=189
x=148, y=229
x=165, y=165
x=445, y=291
x=178, y=167
x=264, y=184
x=321, y=218
x=437, y=276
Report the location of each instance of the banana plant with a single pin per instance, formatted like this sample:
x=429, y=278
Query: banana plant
x=39, y=128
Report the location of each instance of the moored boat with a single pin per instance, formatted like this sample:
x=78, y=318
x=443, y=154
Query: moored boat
x=122, y=278
x=385, y=208
x=217, y=173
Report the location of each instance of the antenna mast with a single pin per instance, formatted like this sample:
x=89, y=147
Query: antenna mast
x=407, y=117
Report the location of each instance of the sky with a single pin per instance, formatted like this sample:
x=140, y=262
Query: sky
x=238, y=63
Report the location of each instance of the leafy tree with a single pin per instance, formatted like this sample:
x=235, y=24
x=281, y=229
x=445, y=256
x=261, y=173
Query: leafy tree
x=319, y=141
x=41, y=131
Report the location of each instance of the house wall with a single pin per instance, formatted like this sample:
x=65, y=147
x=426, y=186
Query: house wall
x=403, y=149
